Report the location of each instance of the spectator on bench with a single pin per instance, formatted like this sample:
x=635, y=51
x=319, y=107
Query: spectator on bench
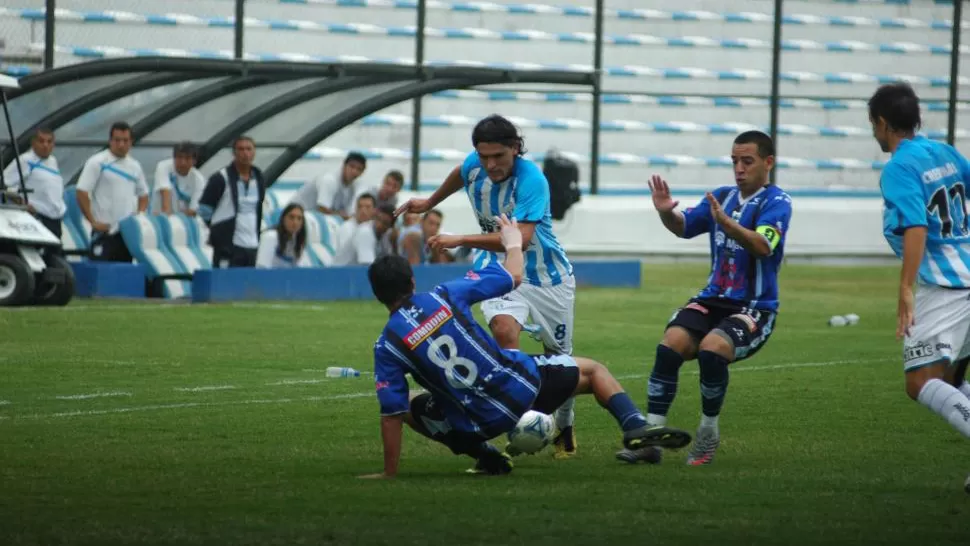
x=285, y=246
x=43, y=178
x=331, y=195
x=370, y=240
x=414, y=245
x=235, y=216
x=111, y=187
x=386, y=193
x=363, y=212
x=178, y=184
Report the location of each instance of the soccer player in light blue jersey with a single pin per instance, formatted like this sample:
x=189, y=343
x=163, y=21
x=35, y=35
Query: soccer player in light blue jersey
x=476, y=389
x=734, y=315
x=498, y=180
x=925, y=222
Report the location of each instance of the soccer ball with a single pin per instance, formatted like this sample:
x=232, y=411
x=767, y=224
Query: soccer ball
x=533, y=432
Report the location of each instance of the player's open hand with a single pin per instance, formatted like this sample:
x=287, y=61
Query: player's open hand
x=905, y=312
x=415, y=205
x=717, y=213
x=660, y=191
x=509, y=232
x=438, y=243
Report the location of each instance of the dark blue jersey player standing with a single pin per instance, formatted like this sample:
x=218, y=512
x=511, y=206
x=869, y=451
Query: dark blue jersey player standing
x=475, y=389
x=733, y=316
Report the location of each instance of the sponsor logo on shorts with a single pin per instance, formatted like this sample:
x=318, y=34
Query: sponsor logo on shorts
x=964, y=411
x=748, y=321
x=697, y=307
x=920, y=350
x=382, y=385
x=428, y=327
x=471, y=275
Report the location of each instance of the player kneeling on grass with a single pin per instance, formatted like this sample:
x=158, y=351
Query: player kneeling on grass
x=733, y=316
x=477, y=390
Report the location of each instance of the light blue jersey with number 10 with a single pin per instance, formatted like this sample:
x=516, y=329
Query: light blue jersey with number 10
x=525, y=195
x=924, y=185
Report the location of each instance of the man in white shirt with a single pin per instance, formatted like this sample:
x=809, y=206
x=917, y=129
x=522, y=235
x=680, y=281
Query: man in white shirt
x=329, y=195
x=370, y=240
x=232, y=206
x=363, y=212
x=111, y=187
x=178, y=184
x=43, y=178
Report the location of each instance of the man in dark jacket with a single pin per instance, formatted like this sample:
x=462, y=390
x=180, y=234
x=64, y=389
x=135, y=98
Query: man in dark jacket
x=232, y=206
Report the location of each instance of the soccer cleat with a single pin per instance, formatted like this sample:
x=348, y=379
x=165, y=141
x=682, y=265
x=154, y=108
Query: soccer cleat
x=649, y=455
x=512, y=451
x=670, y=438
x=565, y=443
x=705, y=445
x=493, y=463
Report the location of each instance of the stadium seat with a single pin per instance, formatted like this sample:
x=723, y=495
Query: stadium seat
x=181, y=237
x=75, y=221
x=320, y=242
x=145, y=241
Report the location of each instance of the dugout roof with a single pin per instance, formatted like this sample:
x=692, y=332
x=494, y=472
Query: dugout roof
x=288, y=108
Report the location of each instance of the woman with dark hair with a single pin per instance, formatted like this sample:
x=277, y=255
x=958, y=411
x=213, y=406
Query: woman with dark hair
x=285, y=246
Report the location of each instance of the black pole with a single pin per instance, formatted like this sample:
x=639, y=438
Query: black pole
x=50, y=10
x=775, y=80
x=16, y=153
x=239, y=28
x=951, y=115
x=416, y=103
x=594, y=159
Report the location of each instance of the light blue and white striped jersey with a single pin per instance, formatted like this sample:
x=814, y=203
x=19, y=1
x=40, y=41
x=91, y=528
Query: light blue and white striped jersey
x=924, y=184
x=525, y=195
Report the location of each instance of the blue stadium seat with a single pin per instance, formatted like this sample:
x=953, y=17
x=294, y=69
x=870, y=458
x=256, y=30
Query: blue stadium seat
x=321, y=238
x=182, y=239
x=145, y=241
x=75, y=221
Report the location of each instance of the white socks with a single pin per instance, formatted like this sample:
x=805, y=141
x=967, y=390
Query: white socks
x=965, y=389
x=565, y=415
x=709, y=422
x=950, y=403
x=655, y=420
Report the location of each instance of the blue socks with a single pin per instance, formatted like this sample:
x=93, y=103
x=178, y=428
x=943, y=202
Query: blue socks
x=662, y=386
x=714, y=381
x=625, y=411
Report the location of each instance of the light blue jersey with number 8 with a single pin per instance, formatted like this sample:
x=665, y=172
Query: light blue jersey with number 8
x=925, y=185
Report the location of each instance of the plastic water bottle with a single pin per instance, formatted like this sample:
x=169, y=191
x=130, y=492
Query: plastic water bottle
x=335, y=371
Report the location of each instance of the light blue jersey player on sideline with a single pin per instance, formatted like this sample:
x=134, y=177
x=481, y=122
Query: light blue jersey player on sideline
x=925, y=222
x=498, y=180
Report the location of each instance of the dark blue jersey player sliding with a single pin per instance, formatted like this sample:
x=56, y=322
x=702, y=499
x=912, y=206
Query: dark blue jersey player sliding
x=733, y=316
x=475, y=389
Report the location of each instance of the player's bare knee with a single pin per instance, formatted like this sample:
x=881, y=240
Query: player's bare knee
x=917, y=378
x=506, y=331
x=681, y=341
x=718, y=341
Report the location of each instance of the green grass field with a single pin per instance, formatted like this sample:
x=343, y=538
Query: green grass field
x=215, y=425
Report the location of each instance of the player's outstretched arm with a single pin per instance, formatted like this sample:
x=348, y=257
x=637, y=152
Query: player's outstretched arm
x=491, y=242
x=511, y=240
x=392, y=427
x=453, y=182
x=914, y=247
x=666, y=207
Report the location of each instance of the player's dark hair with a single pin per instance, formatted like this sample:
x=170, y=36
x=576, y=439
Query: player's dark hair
x=43, y=130
x=119, y=126
x=766, y=147
x=391, y=279
x=398, y=177
x=898, y=104
x=243, y=138
x=365, y=196
x=184, y=148
x=497, y=129
x=283, y=236
x=386, y=209
x=435, y=212
x=356, y=157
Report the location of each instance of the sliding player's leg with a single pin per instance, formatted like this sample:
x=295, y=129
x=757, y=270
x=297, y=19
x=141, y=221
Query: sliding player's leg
x=427, y=419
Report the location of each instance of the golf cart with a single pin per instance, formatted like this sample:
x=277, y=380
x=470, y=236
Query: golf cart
x=32, y=270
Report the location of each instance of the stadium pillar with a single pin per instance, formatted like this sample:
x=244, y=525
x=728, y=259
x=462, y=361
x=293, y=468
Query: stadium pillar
x=50, y=10
x=594, y=156
x=951, y=115
x=238, y=30
x=416, y=104
x=775, y=79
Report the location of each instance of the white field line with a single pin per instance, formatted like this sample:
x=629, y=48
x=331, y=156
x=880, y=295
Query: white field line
x=4, y=402
x=92, y=395
x=206, y=388
x=162, y=407
x=299, y=382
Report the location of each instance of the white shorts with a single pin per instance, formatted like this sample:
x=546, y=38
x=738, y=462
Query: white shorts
x=940, y=332
x=551, y=309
